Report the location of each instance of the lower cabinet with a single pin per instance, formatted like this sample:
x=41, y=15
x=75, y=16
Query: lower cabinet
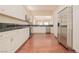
x=10, y=41
x=18, y=38
x=5, y=43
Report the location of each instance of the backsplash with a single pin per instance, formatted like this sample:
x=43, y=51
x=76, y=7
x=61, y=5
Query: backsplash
x=10, y=26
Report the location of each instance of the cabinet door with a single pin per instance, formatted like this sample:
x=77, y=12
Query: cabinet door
x=11, y=10
x=4, y=42
x=17, y=39
x=14, y=40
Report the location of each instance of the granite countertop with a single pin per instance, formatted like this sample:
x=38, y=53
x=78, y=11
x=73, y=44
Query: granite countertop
x=8, y=27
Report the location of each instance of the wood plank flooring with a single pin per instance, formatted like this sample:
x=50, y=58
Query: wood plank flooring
x=43, y=43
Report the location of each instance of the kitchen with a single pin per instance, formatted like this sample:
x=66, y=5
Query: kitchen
x=18, y=23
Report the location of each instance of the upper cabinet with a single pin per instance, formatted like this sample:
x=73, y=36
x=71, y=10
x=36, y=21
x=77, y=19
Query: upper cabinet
x=5, y=19
x=16, y=11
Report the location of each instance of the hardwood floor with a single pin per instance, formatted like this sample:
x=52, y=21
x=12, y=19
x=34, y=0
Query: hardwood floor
x=43, y=43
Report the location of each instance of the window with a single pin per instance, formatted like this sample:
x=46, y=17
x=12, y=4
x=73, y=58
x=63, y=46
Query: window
x=46, y=23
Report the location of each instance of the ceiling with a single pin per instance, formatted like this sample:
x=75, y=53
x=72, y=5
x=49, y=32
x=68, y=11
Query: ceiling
x=44, y=10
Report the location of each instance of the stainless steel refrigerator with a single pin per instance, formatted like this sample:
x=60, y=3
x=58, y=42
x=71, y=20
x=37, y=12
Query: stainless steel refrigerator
x=65, y=30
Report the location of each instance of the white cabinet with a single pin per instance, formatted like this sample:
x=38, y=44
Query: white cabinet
x=13, y=10
x=5, y=43
x=10, y=41
x=18, y=37
x=14, y=40
x=38, y=29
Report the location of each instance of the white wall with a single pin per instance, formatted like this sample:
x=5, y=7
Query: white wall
x=76, y=28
